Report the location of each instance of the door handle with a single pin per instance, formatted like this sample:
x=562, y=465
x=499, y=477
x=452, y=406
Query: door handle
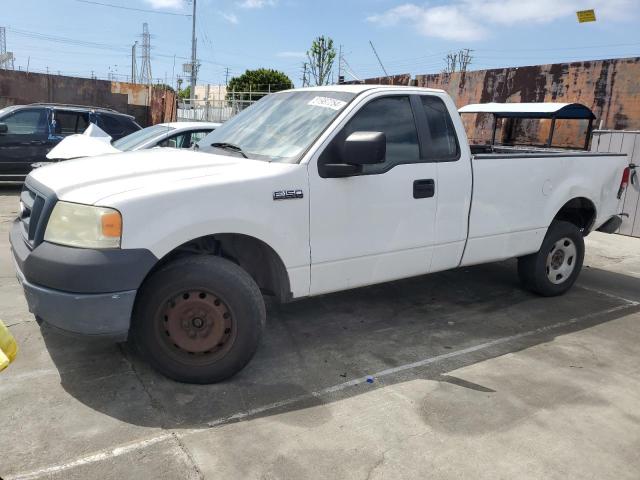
x=425, y=188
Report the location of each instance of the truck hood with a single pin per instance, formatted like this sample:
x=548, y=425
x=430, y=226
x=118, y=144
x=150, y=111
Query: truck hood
x=89, y=180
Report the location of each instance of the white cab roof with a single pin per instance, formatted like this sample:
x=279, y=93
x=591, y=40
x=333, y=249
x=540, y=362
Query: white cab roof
x=359, y=88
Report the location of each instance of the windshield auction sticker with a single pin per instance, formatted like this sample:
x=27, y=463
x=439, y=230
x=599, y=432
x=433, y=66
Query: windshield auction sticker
x=327, y=102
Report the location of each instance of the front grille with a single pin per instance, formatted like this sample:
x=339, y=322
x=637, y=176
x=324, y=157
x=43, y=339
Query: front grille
x=35, y=208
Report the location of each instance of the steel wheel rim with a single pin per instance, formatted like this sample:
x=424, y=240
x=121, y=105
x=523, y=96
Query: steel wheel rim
x=196, y=326
x=561, y=260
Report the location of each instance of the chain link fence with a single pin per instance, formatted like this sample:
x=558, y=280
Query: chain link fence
x=216, y=110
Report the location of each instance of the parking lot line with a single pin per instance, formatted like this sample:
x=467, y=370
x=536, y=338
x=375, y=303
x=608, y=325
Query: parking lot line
x=93, y=458
x=117, y=451
x=420, y=363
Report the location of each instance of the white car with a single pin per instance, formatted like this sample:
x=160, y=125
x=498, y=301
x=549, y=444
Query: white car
x=94, y=141
x=173, y=134
x=306, y=192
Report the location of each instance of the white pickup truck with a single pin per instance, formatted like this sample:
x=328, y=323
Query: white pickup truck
x=307, y=192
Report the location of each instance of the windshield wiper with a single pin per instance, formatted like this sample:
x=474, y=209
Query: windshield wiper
x=229, y=146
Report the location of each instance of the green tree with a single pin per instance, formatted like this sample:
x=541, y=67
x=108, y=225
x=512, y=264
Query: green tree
x=185, y=93
x=321, y=57
x=261, y=80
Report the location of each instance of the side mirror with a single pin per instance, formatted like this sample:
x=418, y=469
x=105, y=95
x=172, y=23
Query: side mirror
x=364, y=148
x=360, y=148
x=3, y=128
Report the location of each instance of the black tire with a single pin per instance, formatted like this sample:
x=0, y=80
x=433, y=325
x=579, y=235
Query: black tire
x=198, y=319
x=535, y=273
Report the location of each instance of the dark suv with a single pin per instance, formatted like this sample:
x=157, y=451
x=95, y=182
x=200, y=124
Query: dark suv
x=28, y=132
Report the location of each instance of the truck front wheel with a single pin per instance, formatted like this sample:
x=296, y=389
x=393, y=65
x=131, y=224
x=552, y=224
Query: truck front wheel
x=556, y=266
x=198, y=319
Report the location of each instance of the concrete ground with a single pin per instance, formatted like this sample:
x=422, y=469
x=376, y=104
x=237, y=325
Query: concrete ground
x=472, y=377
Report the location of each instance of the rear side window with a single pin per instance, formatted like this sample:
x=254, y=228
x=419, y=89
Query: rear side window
x=68, y=123
x=117, y=126
x=111, y=125
x=27, y=122
x=443, y=143
x=394, y=117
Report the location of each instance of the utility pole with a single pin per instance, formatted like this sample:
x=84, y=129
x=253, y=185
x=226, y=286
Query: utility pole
x=6, y=58
x=226, y=76
x=305, y=75
x=194, y=61
x=145, y=69
x=379, y=61
x=340, y=76
x=134, y=63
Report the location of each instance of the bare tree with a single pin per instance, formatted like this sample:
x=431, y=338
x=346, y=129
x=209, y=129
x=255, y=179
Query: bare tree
x=456, y=62
x=321, y=57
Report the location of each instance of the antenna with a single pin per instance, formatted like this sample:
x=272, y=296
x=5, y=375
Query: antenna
x=378, y=57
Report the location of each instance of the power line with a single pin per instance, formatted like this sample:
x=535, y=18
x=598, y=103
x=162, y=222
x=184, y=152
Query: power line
x=145, y=10
x=378, y=57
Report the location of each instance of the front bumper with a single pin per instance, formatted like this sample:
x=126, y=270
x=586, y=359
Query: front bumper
x=80, y=291
x=106, y=314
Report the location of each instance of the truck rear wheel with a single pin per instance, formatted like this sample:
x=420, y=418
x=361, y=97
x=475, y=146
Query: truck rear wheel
x=556, y=266
x=199, y=319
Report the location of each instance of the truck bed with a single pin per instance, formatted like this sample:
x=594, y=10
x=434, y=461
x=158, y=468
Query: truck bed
x=517, y=193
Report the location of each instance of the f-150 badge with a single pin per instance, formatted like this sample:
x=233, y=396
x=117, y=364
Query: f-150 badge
x=287, y=194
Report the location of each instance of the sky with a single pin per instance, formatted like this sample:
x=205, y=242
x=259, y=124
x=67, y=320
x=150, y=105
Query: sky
x=81, y=37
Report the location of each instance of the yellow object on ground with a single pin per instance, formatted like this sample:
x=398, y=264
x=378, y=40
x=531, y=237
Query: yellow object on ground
x=8, y=347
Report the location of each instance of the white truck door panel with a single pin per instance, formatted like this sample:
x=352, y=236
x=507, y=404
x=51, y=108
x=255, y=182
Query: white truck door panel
x=369, y=228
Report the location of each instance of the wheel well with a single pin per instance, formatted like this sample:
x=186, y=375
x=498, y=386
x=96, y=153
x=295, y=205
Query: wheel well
x=579, y=211
x=257, y=258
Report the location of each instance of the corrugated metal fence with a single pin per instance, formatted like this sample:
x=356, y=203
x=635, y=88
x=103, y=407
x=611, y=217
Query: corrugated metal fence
x=628, y=142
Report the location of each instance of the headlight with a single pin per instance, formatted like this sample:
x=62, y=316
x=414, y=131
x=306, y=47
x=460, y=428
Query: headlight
x=84, y=226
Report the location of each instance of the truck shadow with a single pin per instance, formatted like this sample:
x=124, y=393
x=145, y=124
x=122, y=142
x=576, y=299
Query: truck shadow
x=312, y=345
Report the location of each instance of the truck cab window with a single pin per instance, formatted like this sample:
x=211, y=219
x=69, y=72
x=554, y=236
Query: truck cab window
x=443, y=144
x=392, y=116
x=27, y=122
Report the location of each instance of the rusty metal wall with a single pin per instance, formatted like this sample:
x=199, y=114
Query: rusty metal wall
x=609, y=87
x=402, y=79
x=623, y=142
x=149, y=105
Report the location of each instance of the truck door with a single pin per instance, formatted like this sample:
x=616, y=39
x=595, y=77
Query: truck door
x=445, y=143
x=377, y=225
x=24, y=142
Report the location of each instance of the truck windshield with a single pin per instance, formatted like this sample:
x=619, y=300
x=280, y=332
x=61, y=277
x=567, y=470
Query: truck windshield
x=277, y=128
